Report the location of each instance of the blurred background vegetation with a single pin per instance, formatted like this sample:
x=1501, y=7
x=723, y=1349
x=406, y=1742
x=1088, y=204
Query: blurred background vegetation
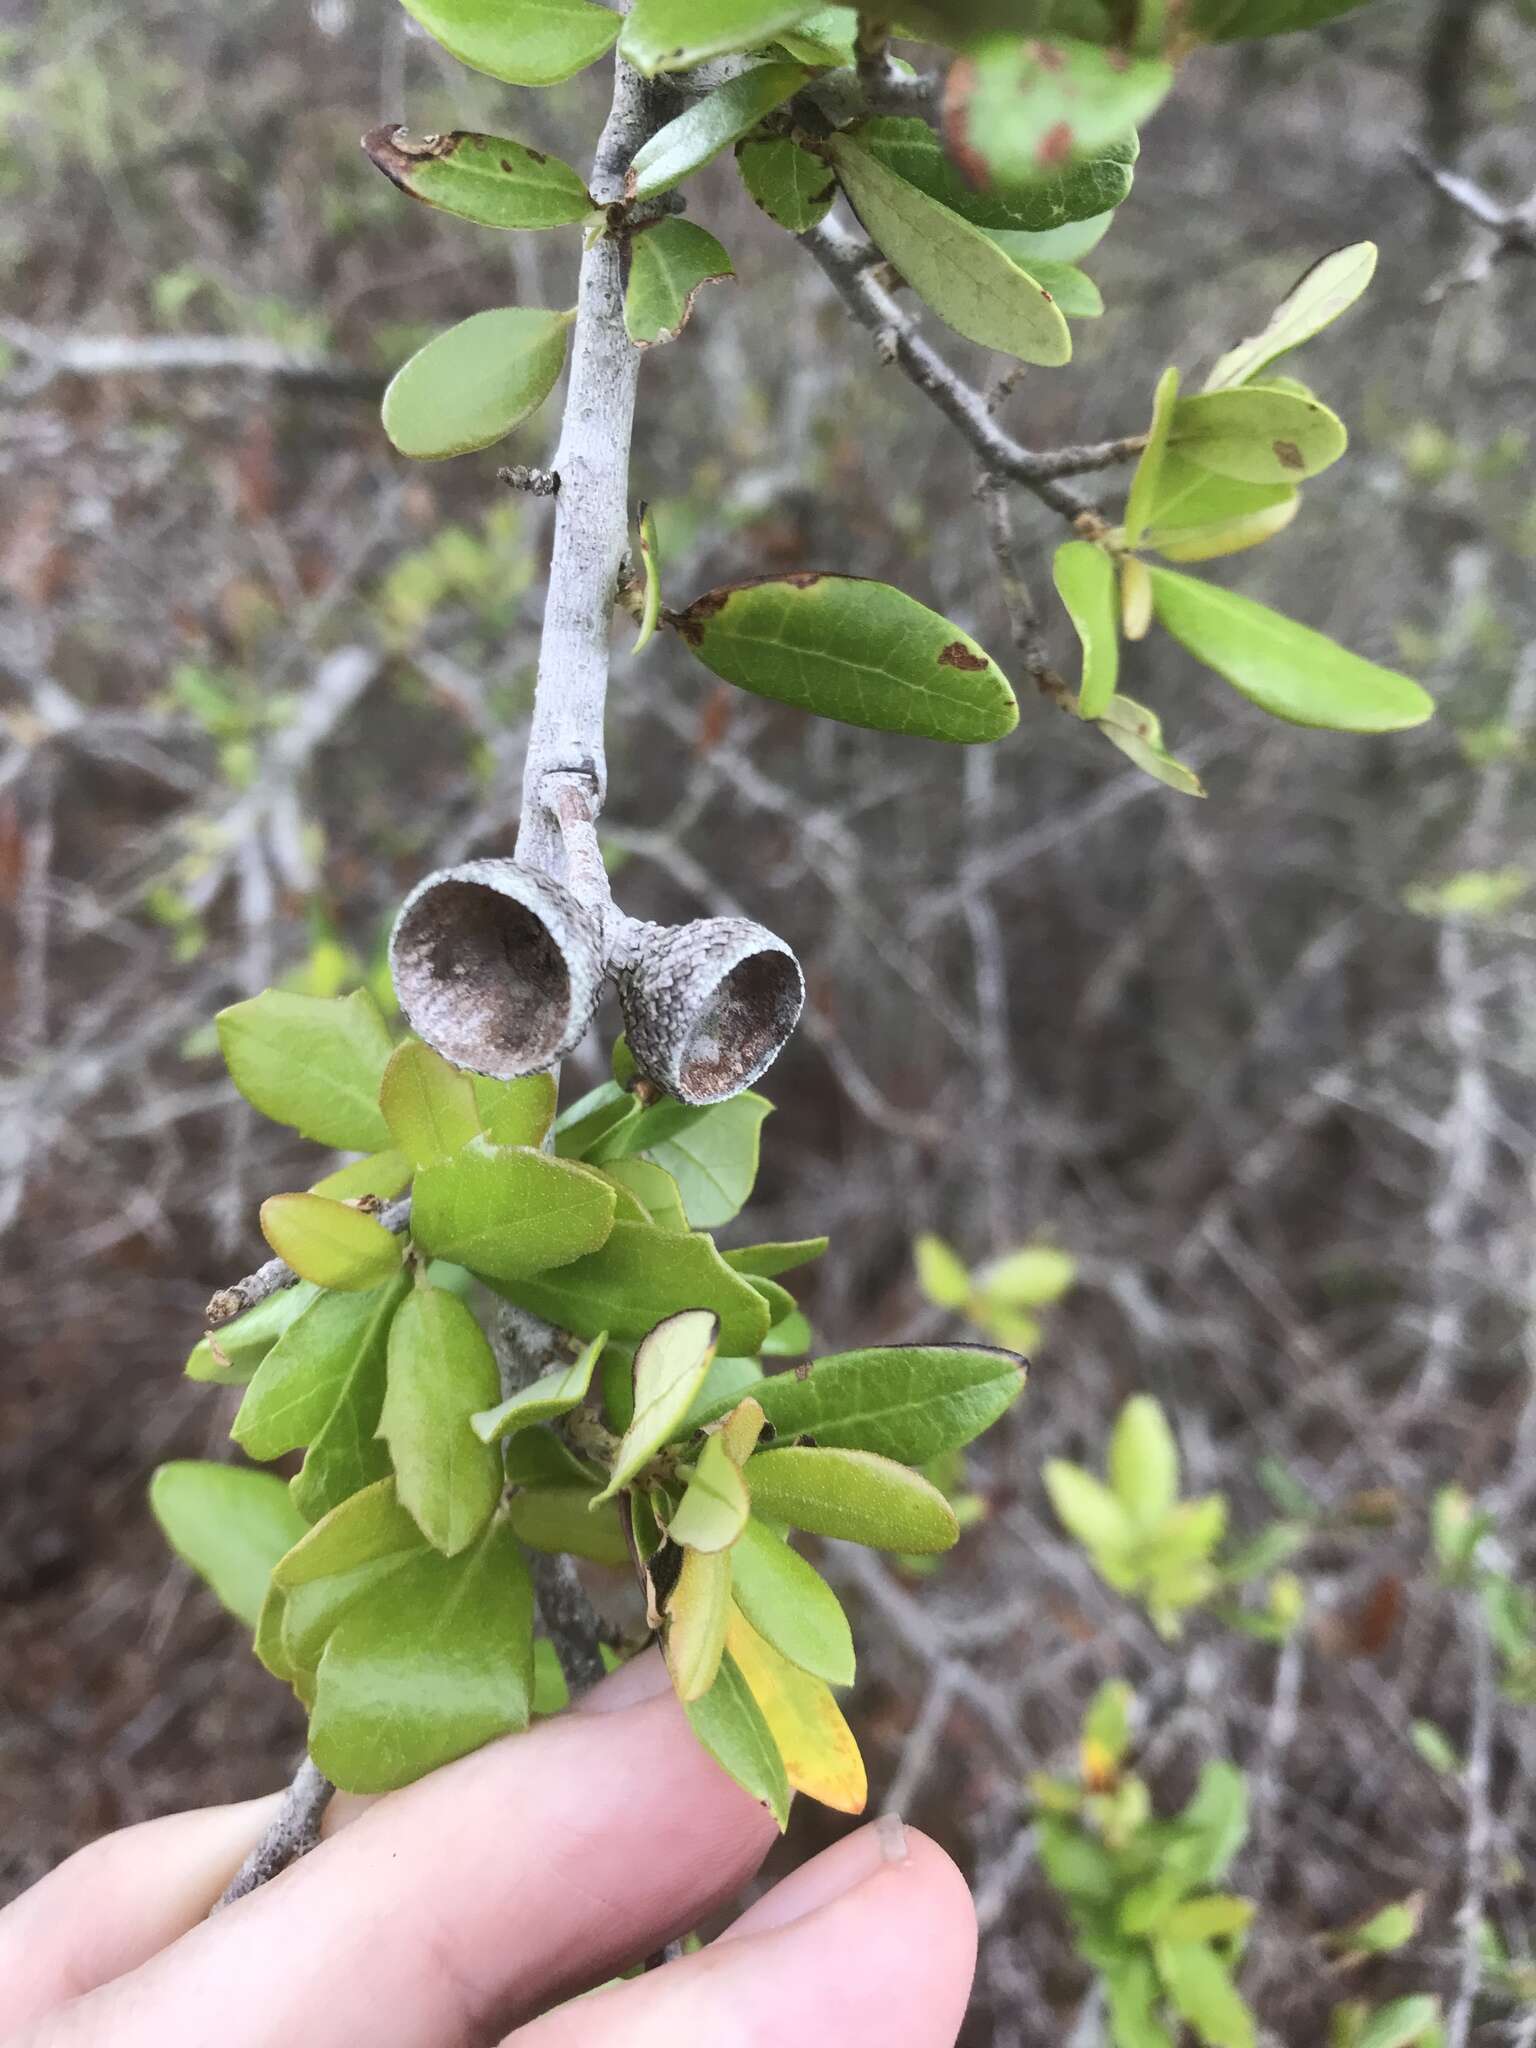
x=1251, y=1079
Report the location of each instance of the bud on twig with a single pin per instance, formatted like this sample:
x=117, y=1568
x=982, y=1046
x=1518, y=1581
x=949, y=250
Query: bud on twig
x=497, y=967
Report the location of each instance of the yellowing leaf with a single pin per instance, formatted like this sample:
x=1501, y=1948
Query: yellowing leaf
x=1085, y=582
x=671, y=1365
x=698, y=1610
x=328, y=1243
x=821, y=1757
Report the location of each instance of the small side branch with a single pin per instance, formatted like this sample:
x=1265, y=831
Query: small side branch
x=1503, y=231
x=157, y=355
x=569, y=1619
x=277, y=1274
x=1023, y=618
x=852, y=265
x=293, y=1834
x=1479, y=1836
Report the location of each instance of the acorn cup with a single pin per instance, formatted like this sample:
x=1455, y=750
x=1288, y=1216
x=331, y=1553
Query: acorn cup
x=707, y=1006
x=497, y=967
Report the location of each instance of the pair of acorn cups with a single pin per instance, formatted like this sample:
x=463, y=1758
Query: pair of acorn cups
x=499, y=967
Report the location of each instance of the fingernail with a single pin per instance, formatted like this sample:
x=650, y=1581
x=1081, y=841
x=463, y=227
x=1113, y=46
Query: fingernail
x=835, y=1872
x=891, y=1833
x=642, y=1678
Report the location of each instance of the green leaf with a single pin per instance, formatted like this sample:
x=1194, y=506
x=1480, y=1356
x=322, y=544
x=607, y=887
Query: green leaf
x=793, y=187
x=789, y=1339
x=354, y=1549
x=384, y=1174
x=1144, y=1461
x=524, y=42
x=1212, y=1828
x=790, y=1604
x=1224, y=21
x=768, y=1261
x=941, y=1273
x=1325, y=291
x=674, y=35
x=230, y=1354
x=714, y=1507
x=433, y=1663
x=1198, y=516
x=1072, y=289
x=1201, y=1990
x=650, y=564
x=1258, y=434
x=854, y=650
x=825, y=38
x=230, y=1524
x=440, y=1372
x=556, y=1393
x=670, y=261
x=653, y=1188
x=1020, y=111
x=588, y=1127
x=1037, y=250
x=852, y=1494
x=488, y=179
x=671, y=1364
x=1032, y=1277
x=640, y=1276
x=428, y=1105
x=1146, y=482
x=711, y=1154
x=537, y=1457
x=710, y=125
x=952, y=265
x=1207, y=1919
x=1087, y=192
x=1402, y=2023
x=729, y=1380
x=1386, y=1931
x=507, y=1212
x=322, y=1385
x=473, y=384
x=328, y=1243
x=1285, y=668
x=1133, y=1994
x=311, y=1062
x=730, y=1725
x=1085, y=582
x=558, y=1518
x=698, y=1609
x=909, y=1403
x=1138, y=733
x=1087, y=1509
x=515, y=1112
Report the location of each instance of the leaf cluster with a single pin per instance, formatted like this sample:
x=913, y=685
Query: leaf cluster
x=1141, y=1891
x=1160, y=1550
x=387, y=1583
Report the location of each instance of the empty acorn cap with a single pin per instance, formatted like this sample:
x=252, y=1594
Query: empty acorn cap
x=708, y=1006
x=498, y=967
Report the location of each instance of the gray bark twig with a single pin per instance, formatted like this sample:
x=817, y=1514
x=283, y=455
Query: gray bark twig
x=157, y=355
x=851, y=263
x=293, y=1834
x=1503, y=231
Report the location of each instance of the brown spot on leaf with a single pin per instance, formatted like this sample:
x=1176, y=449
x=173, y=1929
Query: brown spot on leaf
x=1055, y=146
x=968, y=161
x=958, y=655
x=537, y=155
x=397, y=153
x=1048, y=56
x=1290, y=456
x=506, y=166
x=803, y=579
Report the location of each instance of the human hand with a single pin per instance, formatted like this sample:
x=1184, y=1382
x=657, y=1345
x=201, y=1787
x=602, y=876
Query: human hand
x=471, y=1903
